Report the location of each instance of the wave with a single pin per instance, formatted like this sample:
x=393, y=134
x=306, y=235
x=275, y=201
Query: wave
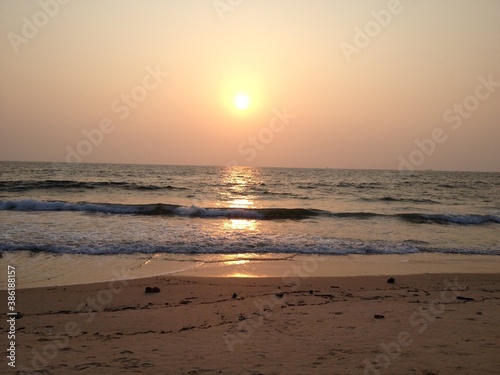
x=243, y=248
x=288, y=246
x=29, y=205
x=417, y=218
x=357, y=215
x=19, y=186
x=450, y=219
x=393, y=199
x=163, y=209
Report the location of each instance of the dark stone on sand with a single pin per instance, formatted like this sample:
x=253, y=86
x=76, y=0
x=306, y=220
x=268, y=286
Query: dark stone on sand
x=152, y=289
x=325, y=295
x=235, y=295
x=377, y=316
x=19, y=315
x=279, y=295
x=311, y=292
x=391, y=280
x=465, y=298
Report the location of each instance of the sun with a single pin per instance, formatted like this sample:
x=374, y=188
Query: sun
x=241, y=101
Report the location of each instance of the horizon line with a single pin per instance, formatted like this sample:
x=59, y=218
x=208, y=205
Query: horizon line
x=251, y=166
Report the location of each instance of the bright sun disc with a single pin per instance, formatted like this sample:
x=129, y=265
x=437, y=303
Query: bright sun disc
x=241, y=101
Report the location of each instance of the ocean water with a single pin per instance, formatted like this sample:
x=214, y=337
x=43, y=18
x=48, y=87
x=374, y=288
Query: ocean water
x=262, y=213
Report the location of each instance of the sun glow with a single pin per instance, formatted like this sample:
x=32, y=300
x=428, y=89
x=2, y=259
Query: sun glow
x=241, y=101
x=243, y=95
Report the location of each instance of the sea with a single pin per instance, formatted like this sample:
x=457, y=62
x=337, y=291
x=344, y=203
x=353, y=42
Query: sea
x=209, y=213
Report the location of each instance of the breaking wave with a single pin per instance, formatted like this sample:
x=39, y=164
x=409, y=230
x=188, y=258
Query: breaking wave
x=162, y=209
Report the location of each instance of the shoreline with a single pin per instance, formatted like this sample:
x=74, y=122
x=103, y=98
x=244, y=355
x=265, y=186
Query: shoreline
x=65, y=270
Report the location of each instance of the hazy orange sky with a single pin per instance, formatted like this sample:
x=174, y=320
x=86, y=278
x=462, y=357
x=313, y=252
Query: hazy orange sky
x=340, y=84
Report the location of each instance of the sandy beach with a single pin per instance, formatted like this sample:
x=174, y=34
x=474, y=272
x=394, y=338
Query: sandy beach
x=429, y=323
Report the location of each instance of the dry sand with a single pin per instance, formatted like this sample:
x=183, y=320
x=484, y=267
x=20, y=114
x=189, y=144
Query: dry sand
x=430, y=324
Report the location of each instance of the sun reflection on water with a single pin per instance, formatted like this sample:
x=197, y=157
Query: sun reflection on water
x=239, y=274
x=237, y=191
x=241, y=203
x=238, y=187
x=240, y=267
x=235, y=259
x=240, y=225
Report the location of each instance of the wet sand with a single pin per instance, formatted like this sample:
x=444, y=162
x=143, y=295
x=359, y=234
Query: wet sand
x=42, y=269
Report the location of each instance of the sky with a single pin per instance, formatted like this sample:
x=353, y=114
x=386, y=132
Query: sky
x=327, y=83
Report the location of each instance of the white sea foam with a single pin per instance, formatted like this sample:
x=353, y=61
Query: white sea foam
x=216, y=212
